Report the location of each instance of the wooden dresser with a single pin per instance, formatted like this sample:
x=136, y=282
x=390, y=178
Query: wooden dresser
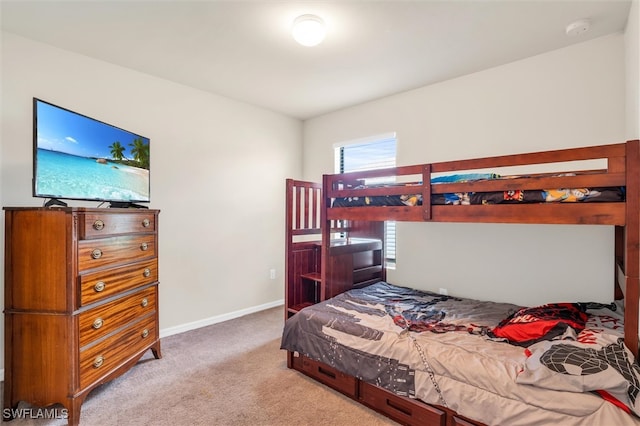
x=81, y=301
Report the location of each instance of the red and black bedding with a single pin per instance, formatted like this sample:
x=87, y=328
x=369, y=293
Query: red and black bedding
x=606, y=194
x=494, y=362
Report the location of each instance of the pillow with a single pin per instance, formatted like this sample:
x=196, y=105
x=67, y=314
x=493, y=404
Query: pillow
x=530, y=325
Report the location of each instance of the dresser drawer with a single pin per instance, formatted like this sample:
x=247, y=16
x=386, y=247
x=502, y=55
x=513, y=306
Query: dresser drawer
x=115, y=250
x=95, y=286
x=99, y=225
x=102, y=320
x=101, y=359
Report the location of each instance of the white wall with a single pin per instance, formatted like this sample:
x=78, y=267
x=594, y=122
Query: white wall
x=218, y=169
x=566, y=98
x=632, y=59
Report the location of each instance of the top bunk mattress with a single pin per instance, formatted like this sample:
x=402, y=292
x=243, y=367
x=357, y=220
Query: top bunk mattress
x=512, y=196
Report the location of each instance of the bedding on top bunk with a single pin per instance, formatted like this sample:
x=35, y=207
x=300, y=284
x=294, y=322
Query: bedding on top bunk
x=456, y=352
x=496, y=197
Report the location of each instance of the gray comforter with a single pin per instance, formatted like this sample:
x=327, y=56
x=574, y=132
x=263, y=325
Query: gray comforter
x=436, y=348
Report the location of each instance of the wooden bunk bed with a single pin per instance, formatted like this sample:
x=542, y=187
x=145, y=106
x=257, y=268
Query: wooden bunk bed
x=622, y=171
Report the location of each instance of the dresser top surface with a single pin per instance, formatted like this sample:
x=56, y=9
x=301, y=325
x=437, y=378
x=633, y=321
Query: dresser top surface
x=84, y=209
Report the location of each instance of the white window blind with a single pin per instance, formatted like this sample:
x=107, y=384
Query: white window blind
x=370, y=154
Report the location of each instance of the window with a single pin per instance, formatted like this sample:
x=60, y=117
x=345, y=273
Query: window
x=377, y=152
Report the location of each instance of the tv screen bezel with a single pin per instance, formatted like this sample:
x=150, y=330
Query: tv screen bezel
x=113, y=200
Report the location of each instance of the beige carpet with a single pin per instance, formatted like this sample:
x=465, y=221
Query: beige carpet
x=232, y=373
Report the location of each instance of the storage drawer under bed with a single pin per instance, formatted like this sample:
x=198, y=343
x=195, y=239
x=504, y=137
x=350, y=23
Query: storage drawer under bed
x=403, y=410
x=327, y=375
x=399, y=408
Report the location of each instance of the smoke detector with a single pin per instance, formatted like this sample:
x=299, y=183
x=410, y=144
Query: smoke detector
x=578, y=27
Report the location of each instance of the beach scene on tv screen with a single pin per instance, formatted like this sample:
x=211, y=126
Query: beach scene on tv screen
x=81, y=158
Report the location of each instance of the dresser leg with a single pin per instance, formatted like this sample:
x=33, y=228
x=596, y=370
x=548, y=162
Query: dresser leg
x=155, y=349
x=73, y=407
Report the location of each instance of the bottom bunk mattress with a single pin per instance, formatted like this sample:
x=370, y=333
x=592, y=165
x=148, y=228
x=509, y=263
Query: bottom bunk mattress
x=497, y=363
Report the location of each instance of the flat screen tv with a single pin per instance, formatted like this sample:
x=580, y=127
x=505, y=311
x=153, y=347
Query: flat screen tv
x=76, y=157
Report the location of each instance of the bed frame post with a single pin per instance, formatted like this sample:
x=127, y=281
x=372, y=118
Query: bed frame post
x=632, y=245
x=426, y=192
x=289, y=241
x=619, y=251
x=326, y=237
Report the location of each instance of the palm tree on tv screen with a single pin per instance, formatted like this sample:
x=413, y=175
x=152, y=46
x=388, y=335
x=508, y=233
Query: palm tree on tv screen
x=140, y=152
x=117, y=150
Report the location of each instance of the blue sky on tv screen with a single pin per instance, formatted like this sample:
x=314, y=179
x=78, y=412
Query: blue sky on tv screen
x=65, y=131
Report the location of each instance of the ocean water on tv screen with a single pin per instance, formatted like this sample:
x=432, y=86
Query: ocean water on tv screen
x=63, y=175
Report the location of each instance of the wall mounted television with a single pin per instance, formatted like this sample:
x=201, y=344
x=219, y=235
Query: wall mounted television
x=76, y=157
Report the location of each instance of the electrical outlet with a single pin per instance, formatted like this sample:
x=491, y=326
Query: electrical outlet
x=444, y=291
x=272, y=274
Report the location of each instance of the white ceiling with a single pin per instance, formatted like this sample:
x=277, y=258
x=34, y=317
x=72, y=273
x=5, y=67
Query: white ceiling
x=243, y=49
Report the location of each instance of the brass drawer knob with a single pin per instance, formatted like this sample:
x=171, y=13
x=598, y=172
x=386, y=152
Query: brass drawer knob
x=100, y=286
x=146, y=272
x=144, y=246
x=145, y=223
x=96, y=253
x=97, y=323
x=144, y=333
x=97, y=363
x=144, y=302
x=98, y=225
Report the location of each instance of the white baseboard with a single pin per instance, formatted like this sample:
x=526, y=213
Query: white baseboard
x=218, y=318
x=207, y=321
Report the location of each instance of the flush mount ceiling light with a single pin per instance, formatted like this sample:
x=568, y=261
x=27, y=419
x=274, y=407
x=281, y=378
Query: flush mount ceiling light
x=308, y=30
x=578, y=27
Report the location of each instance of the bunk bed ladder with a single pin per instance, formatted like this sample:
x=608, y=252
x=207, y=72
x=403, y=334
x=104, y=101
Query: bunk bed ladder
x=303, y=238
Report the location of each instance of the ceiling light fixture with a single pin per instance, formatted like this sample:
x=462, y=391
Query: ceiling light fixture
x=308, y=30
